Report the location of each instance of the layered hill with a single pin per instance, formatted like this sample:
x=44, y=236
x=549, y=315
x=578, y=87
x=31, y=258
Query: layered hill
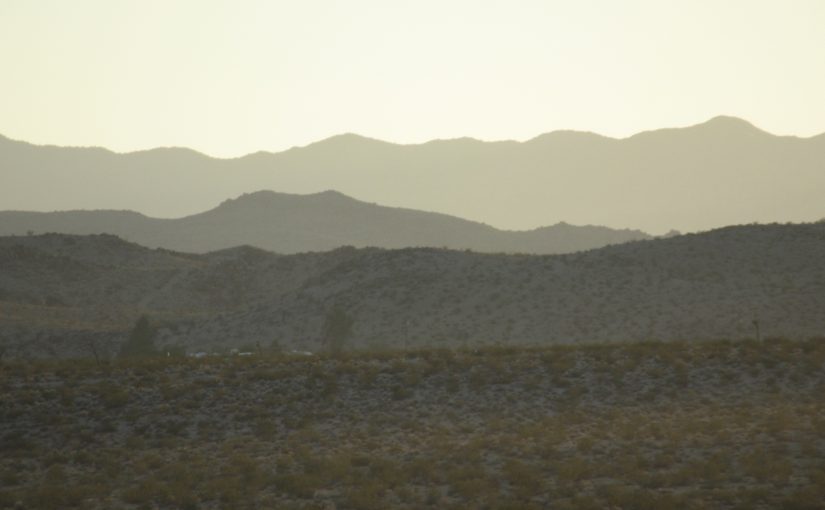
x=286, y=223
x=59, y=291
x=721, y=172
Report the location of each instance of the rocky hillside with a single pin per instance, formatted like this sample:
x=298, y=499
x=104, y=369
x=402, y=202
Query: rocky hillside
x=286, y=223
x=58, y=291
x=712, y=285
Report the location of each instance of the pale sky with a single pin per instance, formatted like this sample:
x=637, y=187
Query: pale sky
x=232, y=77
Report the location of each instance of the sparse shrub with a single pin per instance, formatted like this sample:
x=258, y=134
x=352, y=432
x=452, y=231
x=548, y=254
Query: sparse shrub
x=366, y=496
x=525, y=479
x=112, y=396
x=56, y=495
x=400, y=392
x=508, y=449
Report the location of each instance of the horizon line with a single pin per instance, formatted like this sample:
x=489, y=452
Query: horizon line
x=724, y=118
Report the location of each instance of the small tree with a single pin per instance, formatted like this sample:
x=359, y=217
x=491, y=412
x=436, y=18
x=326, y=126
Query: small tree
x=337, y=330
x=141, y=341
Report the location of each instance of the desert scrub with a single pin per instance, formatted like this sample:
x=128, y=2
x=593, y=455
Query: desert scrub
x=673, y=425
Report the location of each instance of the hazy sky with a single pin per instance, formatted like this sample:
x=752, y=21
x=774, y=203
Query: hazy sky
x=232, y=77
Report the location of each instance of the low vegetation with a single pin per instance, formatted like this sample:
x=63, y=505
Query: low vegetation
x=635, y=426
x=78, y=296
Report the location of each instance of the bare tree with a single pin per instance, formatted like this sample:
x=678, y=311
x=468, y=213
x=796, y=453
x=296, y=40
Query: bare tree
x=94, y=349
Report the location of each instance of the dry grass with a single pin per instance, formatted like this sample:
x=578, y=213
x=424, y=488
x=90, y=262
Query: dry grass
x=711, y=425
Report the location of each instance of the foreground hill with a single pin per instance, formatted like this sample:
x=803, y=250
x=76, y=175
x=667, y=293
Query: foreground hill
x=286, y=223
x=682, y=426
x=722, y=172
x=57, y=292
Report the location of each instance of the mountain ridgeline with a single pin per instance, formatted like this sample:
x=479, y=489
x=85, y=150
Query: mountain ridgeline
x=722, y=172
x=286, y=223
x=60, y=292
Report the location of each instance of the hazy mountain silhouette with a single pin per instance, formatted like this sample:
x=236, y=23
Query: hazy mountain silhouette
x=724, y=171
x=57, y=290
x=286, y=223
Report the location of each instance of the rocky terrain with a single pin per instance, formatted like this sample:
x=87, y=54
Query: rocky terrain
x=64, y=295
x=694, y=426
x=286, y=223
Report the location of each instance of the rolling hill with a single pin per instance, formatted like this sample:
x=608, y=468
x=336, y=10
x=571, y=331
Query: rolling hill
x=59, y=291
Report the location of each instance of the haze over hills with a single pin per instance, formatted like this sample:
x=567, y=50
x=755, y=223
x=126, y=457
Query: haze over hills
x=59, y=291
x=286, y=223
x=722, y=172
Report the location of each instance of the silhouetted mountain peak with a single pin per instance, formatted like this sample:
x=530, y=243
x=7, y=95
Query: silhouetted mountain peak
x=348, y=140
x=671, y=233
x=263, y=199
x=727, y=123
x=259, y=197
x=254, y=199
x=462, y=140
x=567, y=136
x=331, y=194
x=174, y=153
x=721, y=128
x=565, y=228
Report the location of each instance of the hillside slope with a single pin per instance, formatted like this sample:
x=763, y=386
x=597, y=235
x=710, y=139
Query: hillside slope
x=56, y=290
x=704, y=286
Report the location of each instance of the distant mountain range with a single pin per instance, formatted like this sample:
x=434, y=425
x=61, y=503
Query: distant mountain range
x=60, y=292
x=721, y=172
x=286, y=223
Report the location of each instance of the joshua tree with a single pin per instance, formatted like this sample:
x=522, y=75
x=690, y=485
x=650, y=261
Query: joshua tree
x=337, y=330
x=141, y=341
